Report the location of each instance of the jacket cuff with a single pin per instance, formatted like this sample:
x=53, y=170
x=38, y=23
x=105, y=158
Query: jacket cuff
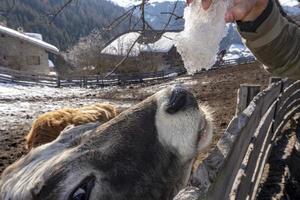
x=268, y=29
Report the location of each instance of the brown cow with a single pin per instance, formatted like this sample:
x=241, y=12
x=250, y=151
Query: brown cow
x=48, y=126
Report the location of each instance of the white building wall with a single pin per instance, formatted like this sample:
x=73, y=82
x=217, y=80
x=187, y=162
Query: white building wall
x=21, y=55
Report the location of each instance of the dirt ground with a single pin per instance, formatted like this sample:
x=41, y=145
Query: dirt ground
x=20, y=106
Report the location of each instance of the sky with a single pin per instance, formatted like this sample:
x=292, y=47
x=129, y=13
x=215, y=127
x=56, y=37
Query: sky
x=127, y=3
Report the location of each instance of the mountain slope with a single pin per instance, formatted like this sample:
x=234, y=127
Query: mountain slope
x=77, y=20
x=157, y=14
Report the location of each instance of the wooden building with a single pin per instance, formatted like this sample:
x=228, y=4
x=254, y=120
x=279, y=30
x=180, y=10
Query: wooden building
x=150, y=51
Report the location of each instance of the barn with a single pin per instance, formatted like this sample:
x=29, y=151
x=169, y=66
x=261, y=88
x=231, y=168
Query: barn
x=147, y=51
x=24, y=51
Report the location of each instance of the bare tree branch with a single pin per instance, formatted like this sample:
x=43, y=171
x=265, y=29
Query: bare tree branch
x=177, y=17
x=123, y=60
x=60, y=10
x=129, y=15
x=171, y=16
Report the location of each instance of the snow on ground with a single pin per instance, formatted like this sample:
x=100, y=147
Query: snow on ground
x=12, y=91
x=22, y=104
x=291, y=6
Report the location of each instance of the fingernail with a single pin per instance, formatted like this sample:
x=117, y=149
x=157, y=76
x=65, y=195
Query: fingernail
x=228, y=18
x=205, y=5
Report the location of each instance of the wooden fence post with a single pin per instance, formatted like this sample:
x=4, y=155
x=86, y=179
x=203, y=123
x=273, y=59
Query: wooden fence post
x=246, y=93
x=274, y=80
x=58, y=81
x=297, y=144
x=85, y=81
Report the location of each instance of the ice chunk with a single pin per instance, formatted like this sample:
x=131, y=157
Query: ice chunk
x=198, y=43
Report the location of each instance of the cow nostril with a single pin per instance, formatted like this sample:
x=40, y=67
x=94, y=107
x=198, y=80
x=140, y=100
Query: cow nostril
x=177, y=100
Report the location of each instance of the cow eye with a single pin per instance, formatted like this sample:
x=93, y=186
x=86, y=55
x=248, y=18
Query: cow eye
x=83, y=191
x=80, y=194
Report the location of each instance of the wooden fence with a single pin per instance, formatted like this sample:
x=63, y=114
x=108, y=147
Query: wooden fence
x=234, y=169
x=25, y=78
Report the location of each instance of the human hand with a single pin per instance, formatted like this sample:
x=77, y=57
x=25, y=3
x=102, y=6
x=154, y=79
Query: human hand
x=205, y=3
x=243, y=10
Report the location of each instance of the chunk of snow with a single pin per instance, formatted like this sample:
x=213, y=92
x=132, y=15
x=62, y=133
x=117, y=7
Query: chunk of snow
x=198, y=43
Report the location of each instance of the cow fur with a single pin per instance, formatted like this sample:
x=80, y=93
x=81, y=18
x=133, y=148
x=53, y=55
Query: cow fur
x=146, y=153
x=48, y=126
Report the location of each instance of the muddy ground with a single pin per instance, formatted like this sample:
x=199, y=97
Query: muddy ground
x=19, y=106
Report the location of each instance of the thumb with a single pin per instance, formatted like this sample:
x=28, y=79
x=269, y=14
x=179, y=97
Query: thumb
x=188, y=2
x=240, y=11
x=206, y=4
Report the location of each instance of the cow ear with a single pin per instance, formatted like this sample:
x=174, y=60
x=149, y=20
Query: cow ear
x=71, y=132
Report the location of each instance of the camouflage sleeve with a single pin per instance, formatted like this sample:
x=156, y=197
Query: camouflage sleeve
x=275, y=42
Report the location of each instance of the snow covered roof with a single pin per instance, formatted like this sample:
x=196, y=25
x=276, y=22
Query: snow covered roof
x=35, y=35
x=24, y=37
x=122, y=44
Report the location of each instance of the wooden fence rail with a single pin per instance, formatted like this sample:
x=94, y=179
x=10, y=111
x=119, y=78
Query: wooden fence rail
x=234, y=168
x=25, y=78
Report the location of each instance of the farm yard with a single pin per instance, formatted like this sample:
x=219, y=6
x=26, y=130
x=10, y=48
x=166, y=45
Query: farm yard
x=89, y=68
x=19, y=105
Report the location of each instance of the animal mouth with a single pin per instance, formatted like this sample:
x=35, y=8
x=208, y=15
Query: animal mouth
x=180, y=99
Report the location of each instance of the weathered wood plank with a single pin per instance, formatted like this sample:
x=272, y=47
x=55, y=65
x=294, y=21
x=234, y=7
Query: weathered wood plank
x=289, y=88
x=246, y=93
x=252, y=161
x=223, y=184
x=283, y=119
x=189, y=193
x=218, y=171
x=274, y=80
x=246, y=145
x=287, y=104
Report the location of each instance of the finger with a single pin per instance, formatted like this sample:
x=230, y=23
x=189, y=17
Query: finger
x=188, y=2
x=229, y=17
x=238, y=12
x=206, y=4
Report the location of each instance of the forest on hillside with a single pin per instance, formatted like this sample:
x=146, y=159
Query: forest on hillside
x=76, y=21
